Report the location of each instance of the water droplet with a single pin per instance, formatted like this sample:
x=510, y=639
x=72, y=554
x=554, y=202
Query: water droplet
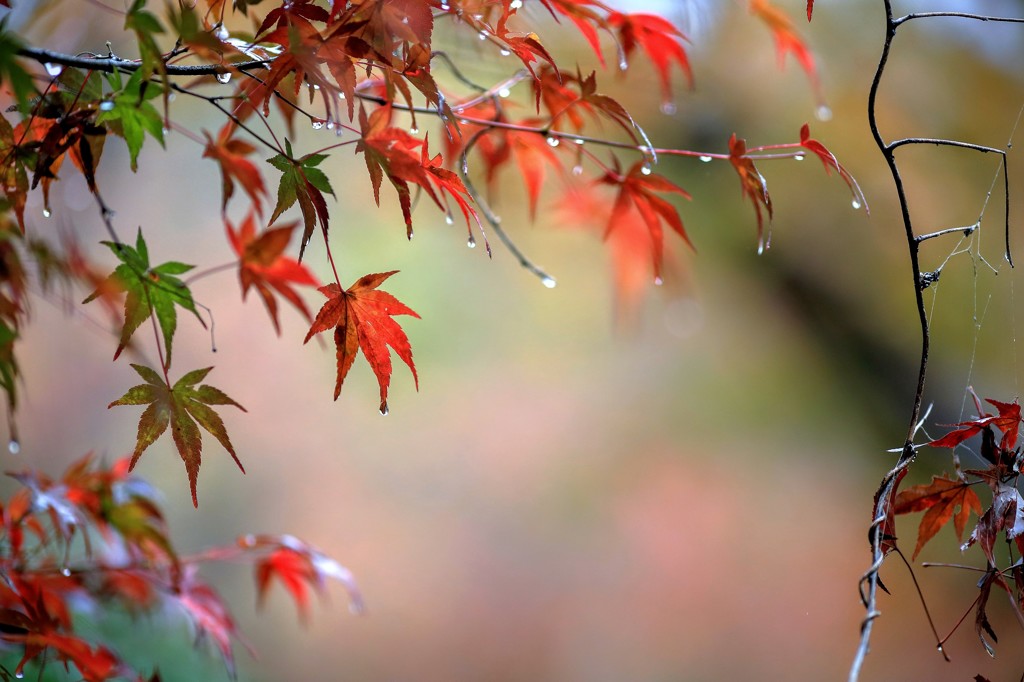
x=47, y=212
x=668, y=108
x=504, y=92
x=405, y=20
x=66, y=572
x=224, y=78
x=53, y=69
x=330, y=124
x=13, y=446
x=106, y=106
x=384, y=410
x=448, y=219
x=579, y=141
x=445, y=7
x=315, y=86
x=645, y=169
x=471, y=243
x=705, y=158
x=577, y=169
x=553, y=141
x=341, y=95
x=165, y=130
x=658, y=281
x=799, y=157
x=548, y=281
x=623, y=64
x=459, y=110
x=483, y=35
x=414, y=130
x=221, y=32
x=855, y=203
x=515, y=4
x=504, y=53
x=823, y=113
x=19, y=675
x=317, y=124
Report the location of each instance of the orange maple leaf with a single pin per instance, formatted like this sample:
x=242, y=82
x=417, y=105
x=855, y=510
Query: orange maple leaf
x=939, y=500
x=362, y=320
x=263, y=265
x=231, y=154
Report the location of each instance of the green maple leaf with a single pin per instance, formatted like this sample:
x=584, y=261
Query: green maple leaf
x=185, y=408
x=302, y=181
x=131, y=115
x=151, y=290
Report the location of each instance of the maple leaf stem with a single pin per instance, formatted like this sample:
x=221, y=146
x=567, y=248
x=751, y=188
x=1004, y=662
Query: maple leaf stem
x=494, y=221
x=112, y=63
x=330, y=259
x=215, y=102
x=961, y=621
x=211, y=271
x=924, y=605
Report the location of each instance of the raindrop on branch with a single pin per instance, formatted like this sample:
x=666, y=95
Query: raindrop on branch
x=549, y=281
x=471, y=243
x=668, y=108
x=53, y=69
x=799, y=157
x=855, y=203
x=47, y=212
x=553, y=141
x=221, y=32
x=224, y=78
x=705, y=158
x=824, y=113
x=13, y=446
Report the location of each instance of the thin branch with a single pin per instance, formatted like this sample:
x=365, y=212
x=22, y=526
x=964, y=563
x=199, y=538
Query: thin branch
x=112, y=63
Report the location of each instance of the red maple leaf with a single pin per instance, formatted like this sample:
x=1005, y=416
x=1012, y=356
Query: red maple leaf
x=940, y=501
x=299, y=566
x=1007, y=421
x=637, y=189
x=586, y=19
x=832, y=163
x=263, y=265
x=787, y=39
x=810, y=9
x=231, y=154
x=362, y=320
x=532, y=154
x=658, y=38
x=752, y=184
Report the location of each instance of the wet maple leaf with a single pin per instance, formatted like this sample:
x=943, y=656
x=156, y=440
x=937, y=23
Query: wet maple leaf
x=230, y=154
x=303, y=182
x=298, y=566
x=658, y=38
x=832, y=163
x=941, y=500
x=787, y=40
x=150, y=291
x=362, y=320
x=209, y=617
x=531, y=152
x=753, y=185
x=1007, y=421
x=637, y=189
x=262, y=265
x=185, y=408
x=93, y=664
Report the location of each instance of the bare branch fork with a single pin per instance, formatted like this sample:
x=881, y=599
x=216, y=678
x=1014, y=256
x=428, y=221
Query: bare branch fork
x=879, y=533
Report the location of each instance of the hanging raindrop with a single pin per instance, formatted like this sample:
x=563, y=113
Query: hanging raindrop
x=668, y=108
x=855, y=203
x=645, y=169
x=414, y=130
x=705, y=158
x=47, y=212
x=53, y=69
x=106, y=106
x=515, y=4
x=504, y=53
x=483, y=35
x=384, y=410
x=548, y=281
x=658, y=281
x=221, y=32
x=577, y=169
x=799, y=157
x=504, y=92
x=448, y=219
x=317, y=124
x=13, y=446
x=553, y=141
x=66, y=572
x=224, y=78
x=471, y=243
x=823, y=113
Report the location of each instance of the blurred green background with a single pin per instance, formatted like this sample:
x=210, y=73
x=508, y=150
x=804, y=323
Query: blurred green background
x=684, y=496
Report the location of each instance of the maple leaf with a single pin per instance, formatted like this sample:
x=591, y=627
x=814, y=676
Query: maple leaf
x=298, y=566
x=637, y=189
x=940, y=500
x=532, y=154
x=263, y=265
x=832, y=163
x=184, y=407
x=787, y=40
x=1005, y=515
x=209, y=617
x=132, y=116
x=150, y=290
x=13, y=173
x=362, y=320
x=230, y=154
x=1007, y=421
x=753, y=186
x=302, y=181
x=658, y=38
x=585, y=19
